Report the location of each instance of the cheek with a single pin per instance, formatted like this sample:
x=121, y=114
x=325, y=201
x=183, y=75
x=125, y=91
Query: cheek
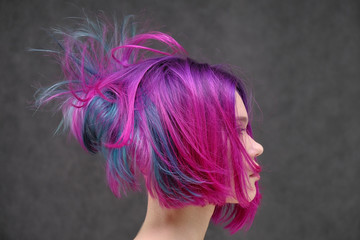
x=248, y=169
x=250, y=186
x=246, y=141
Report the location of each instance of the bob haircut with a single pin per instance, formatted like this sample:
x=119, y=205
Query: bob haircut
x=156, y=115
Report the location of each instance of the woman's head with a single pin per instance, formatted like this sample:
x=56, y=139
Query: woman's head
x=178, y=124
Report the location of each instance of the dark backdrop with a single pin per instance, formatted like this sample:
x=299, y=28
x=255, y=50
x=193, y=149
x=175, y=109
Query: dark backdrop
x=302, y=59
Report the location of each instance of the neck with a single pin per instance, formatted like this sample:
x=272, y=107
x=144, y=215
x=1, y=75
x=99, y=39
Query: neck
x=190, y=222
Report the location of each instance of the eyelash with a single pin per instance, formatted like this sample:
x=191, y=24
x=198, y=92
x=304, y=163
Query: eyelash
x=241, y=130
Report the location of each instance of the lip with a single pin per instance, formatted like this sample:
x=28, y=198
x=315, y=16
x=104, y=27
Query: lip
x=255, y=175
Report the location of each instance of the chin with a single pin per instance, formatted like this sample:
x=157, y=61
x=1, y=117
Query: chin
x=251, y=191
x=251, y=194
x=232, y=200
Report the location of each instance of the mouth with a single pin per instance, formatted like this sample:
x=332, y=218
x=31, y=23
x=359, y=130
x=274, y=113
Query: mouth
x=255, y=176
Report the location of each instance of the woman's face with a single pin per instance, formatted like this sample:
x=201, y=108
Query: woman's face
x=253, y=148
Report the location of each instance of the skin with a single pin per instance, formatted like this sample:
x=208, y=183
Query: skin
x=253, y=148
x=191, y=222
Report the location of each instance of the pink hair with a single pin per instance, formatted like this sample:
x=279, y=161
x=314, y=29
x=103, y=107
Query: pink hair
x=163, y=117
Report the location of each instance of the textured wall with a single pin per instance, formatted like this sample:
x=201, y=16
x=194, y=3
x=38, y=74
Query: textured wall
x=302, y=59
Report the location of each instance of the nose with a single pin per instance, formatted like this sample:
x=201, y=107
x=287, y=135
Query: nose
x=256, y=149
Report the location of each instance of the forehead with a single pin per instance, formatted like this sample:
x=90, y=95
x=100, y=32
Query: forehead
x=240, y=110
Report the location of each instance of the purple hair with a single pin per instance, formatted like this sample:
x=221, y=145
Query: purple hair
x=155, y=114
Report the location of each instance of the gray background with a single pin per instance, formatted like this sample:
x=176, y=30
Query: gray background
x=302, y=59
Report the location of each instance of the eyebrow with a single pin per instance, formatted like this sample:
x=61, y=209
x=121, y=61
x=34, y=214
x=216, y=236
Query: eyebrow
x=242, y=119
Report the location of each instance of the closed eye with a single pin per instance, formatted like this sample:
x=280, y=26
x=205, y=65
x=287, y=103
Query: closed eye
x=241, y=130
x=242, y=124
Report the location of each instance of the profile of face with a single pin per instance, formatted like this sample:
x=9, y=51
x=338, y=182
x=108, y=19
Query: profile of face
x=253, y=148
